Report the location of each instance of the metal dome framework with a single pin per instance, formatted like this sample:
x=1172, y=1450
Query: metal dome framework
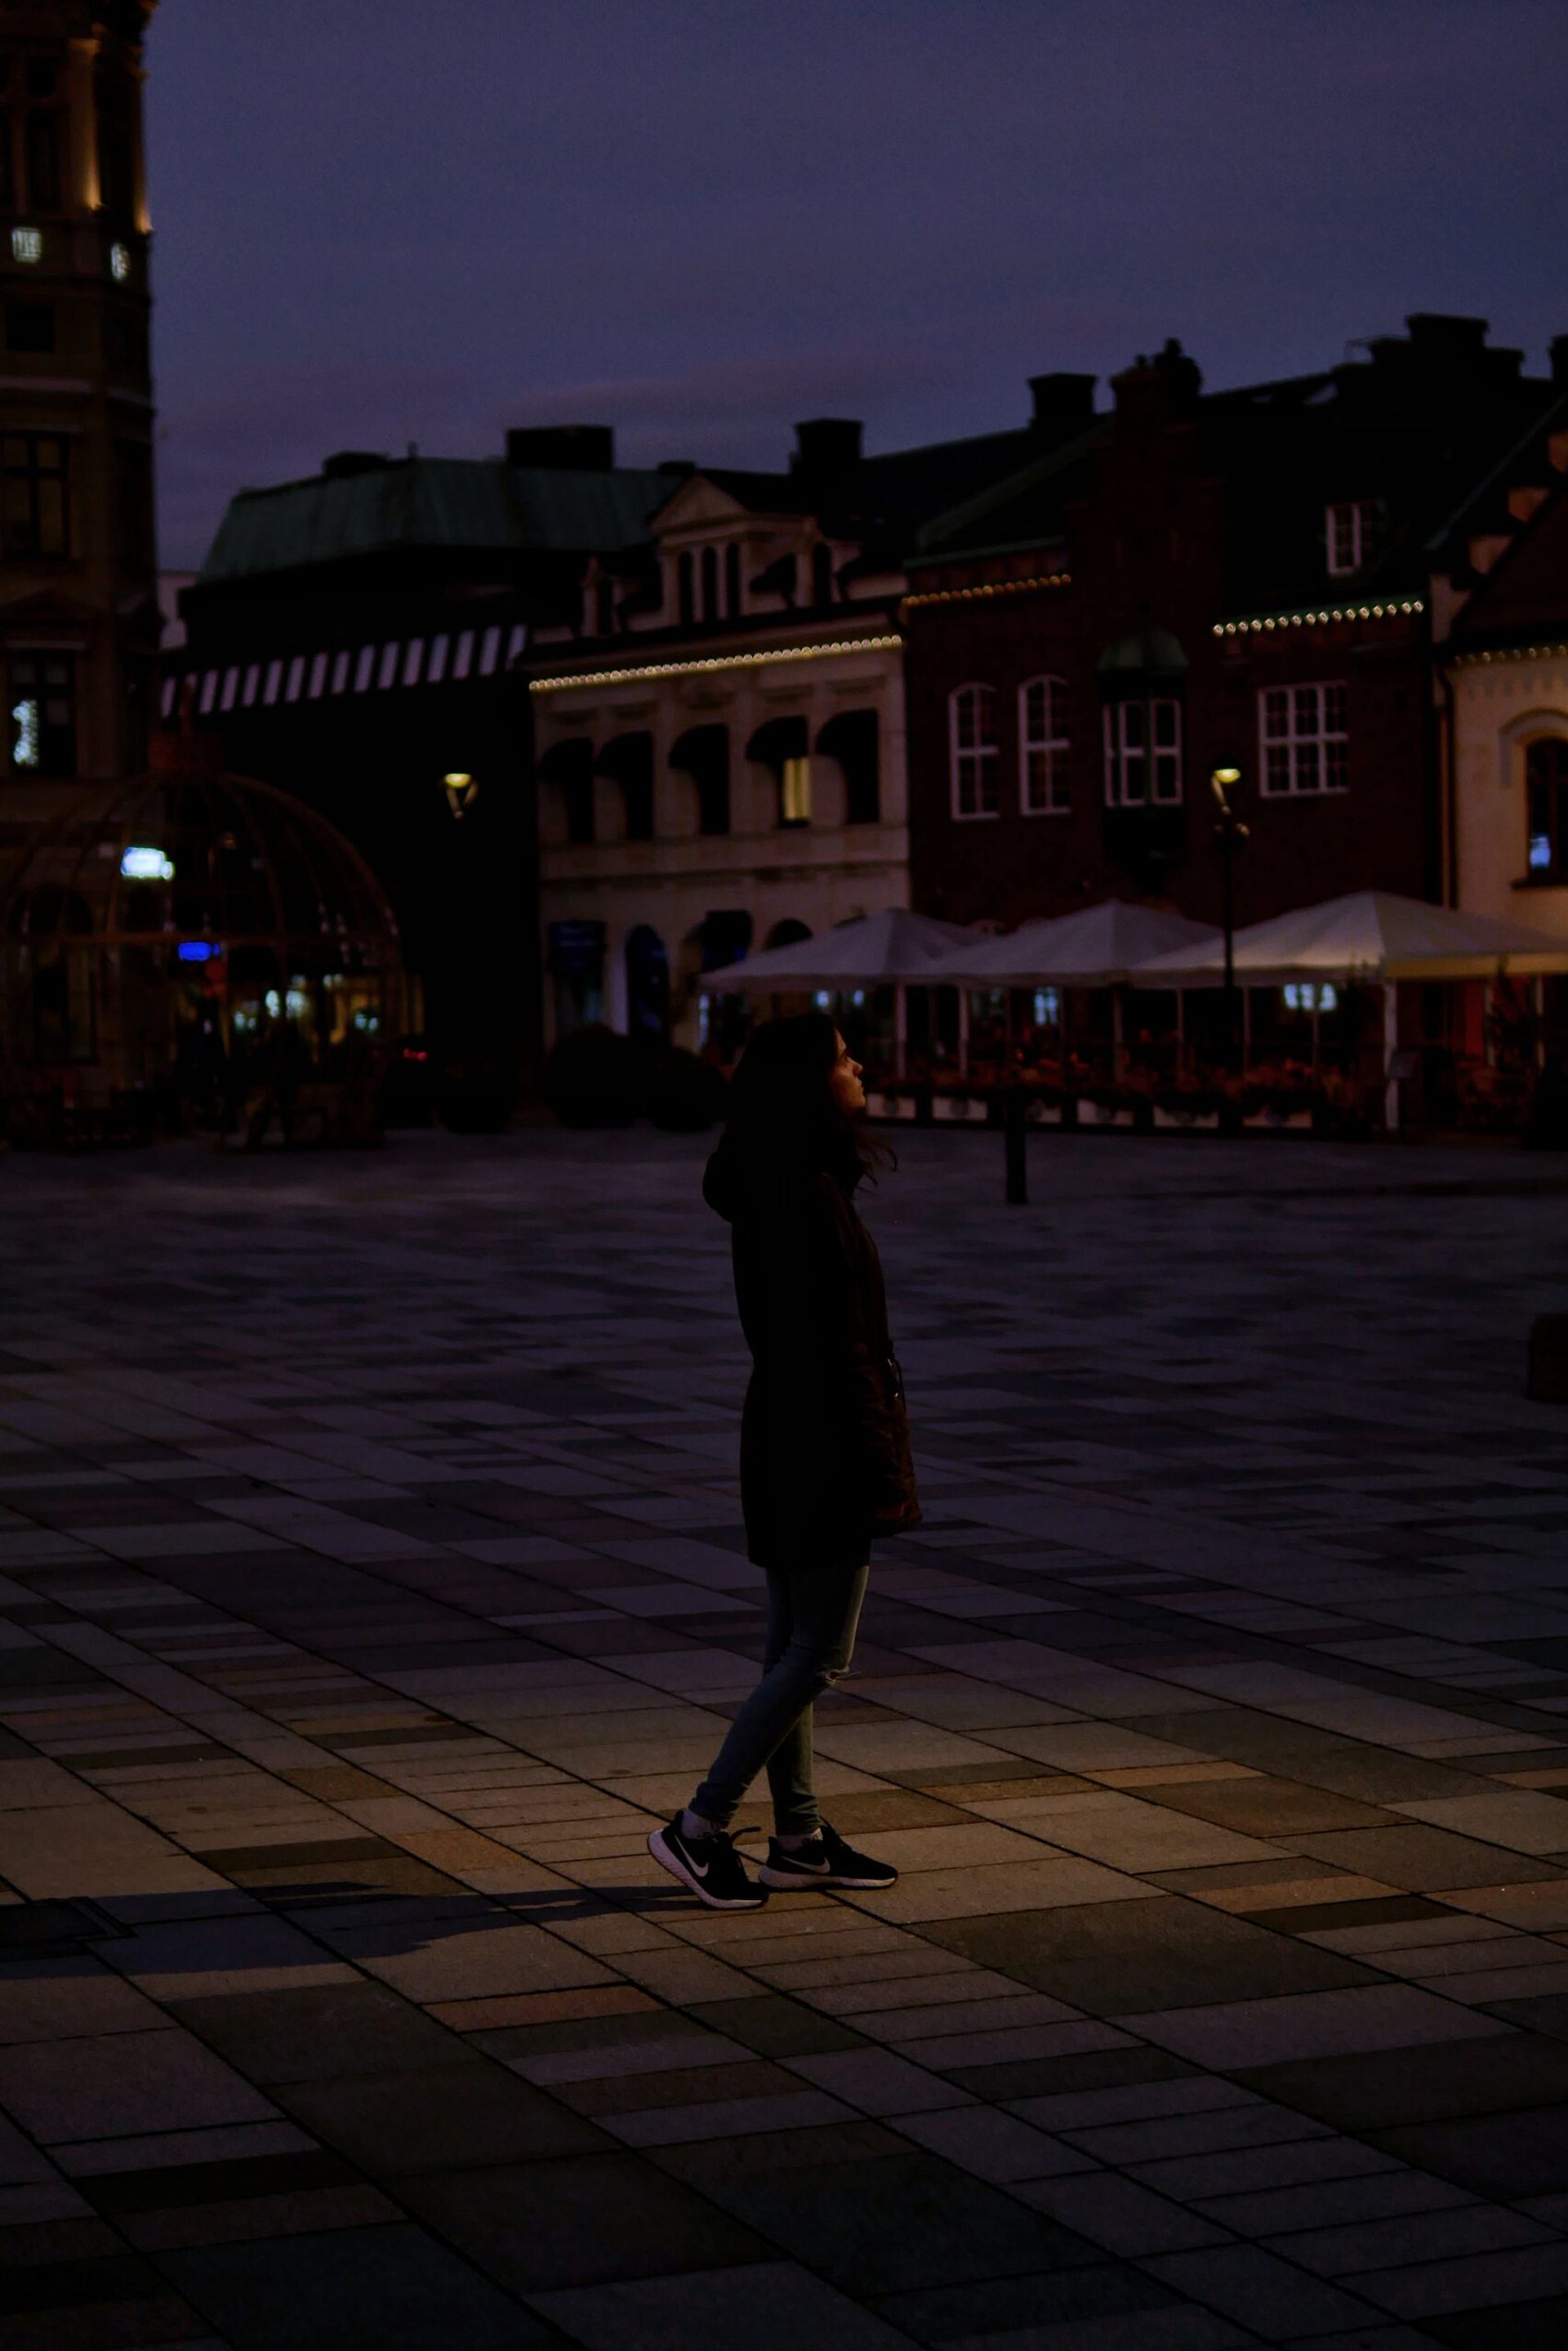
x=187, y=902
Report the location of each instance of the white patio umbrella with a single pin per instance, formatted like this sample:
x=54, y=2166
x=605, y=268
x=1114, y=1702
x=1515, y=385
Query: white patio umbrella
x=1370, y=935
x=895, y=948
x=1373, y=935
x=1094, y=946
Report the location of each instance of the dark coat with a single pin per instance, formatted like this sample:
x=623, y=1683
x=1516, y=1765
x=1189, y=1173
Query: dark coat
x=825, y=1436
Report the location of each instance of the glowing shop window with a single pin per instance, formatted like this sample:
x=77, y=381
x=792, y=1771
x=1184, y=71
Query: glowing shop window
x=273, y=680
x=463, y=662
x=296, y=1003
x=794, y=792
x=1310, y=996
x=363, y=667
x=25, y=744
x=822, y=1000
x=490, y=653
x=386, y=673
x=119, y=263
x=413, y=656
x=296, y=678
x=1540, y=852
x=1047, y=1008
x=273, y=1001
x=339, y=672
x=252, y=685
x=26, y=245
x=142, y=864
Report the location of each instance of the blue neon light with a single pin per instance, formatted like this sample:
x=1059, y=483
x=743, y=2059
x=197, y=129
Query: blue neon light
x=196, y=951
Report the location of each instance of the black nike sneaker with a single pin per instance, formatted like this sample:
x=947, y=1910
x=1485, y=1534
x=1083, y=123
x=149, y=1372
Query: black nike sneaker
x=825, y=1861
x=709, y=1866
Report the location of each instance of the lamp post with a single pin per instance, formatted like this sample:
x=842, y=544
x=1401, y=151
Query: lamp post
x=1229, y=833
x=460, y=791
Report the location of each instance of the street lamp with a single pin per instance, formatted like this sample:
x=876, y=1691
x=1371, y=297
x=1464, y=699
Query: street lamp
x=1230, y=832
x=460, y=791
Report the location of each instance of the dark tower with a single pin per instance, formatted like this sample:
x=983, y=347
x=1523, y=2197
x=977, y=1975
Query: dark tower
x=79, y=605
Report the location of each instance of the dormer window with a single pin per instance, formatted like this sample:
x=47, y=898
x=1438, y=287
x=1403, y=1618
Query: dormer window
x=1350, y=532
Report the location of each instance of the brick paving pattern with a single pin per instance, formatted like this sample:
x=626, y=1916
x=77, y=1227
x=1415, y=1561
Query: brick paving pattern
x=371, y=1580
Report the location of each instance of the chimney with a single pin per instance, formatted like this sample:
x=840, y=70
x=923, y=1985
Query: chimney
x=1156, y=391
x=1063, y=405
x=579, y=448
x=1558, y=353
x=827, y=445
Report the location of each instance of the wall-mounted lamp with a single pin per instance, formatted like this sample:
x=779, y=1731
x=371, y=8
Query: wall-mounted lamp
x=460, y=791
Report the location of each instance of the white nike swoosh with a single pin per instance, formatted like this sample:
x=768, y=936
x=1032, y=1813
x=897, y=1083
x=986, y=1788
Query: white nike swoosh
x=698, y=1868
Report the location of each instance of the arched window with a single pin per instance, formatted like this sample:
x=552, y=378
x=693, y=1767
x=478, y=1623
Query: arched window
x=733, y=580
x=686, y=588
x=1546, y=811
x=628, y=761
x=787, y=933
x=568, y=767
x=973, y=730
x=1043, y=746
x=703, y=754
x=850, y=737
x=822, y=573
x=647, y=985
x=709, y=584
x=784, y=745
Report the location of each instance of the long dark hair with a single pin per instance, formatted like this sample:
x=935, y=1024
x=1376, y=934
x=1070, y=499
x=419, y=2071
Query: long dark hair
x=784, y=1116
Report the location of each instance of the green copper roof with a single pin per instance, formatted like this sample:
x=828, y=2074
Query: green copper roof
x=432, y=502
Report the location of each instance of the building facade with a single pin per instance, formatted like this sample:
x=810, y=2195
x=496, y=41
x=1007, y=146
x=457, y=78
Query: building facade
x=720, y=735
x=1239, y=580
x=356, y=639
x=1503, y=693
x=78, y=608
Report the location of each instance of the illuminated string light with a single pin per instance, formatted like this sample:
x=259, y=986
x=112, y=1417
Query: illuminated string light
x=1511, y=653
x=992, y=588
x=716, y=662
x=1320, y=618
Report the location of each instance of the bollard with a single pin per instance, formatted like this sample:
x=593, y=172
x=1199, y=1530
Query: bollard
x=1014, y=1138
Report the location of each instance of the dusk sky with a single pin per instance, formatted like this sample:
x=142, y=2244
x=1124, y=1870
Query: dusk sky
x=386, y=220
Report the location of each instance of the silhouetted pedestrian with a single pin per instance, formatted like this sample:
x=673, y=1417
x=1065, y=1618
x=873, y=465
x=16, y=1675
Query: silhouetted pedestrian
x=824, y=1446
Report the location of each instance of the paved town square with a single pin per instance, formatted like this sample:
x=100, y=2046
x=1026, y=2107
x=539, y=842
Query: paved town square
x=374, y=1581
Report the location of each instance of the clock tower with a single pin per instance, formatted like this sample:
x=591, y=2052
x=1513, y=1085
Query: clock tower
x=79, y=603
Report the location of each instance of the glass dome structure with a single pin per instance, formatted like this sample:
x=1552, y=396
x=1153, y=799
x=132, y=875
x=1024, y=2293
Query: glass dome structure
x=170, y=929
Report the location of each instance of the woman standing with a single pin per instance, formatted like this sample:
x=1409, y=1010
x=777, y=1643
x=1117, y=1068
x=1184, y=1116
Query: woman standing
x=825, y=1444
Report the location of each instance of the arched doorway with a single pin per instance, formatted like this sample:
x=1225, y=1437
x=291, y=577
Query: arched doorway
x=646, y=985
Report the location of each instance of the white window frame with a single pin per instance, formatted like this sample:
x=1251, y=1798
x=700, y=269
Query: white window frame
x=1052, y=748
x=1279, y=777
x=1347, y=534
x=973, y=765
x=1141, y=760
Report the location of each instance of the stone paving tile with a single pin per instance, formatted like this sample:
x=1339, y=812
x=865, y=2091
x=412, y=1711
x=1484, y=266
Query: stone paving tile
x=362, y=1605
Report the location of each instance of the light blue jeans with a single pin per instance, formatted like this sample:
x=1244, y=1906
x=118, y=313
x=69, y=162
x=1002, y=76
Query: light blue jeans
x=813, y=1613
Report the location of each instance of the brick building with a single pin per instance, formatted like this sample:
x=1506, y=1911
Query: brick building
x=1240, y=579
